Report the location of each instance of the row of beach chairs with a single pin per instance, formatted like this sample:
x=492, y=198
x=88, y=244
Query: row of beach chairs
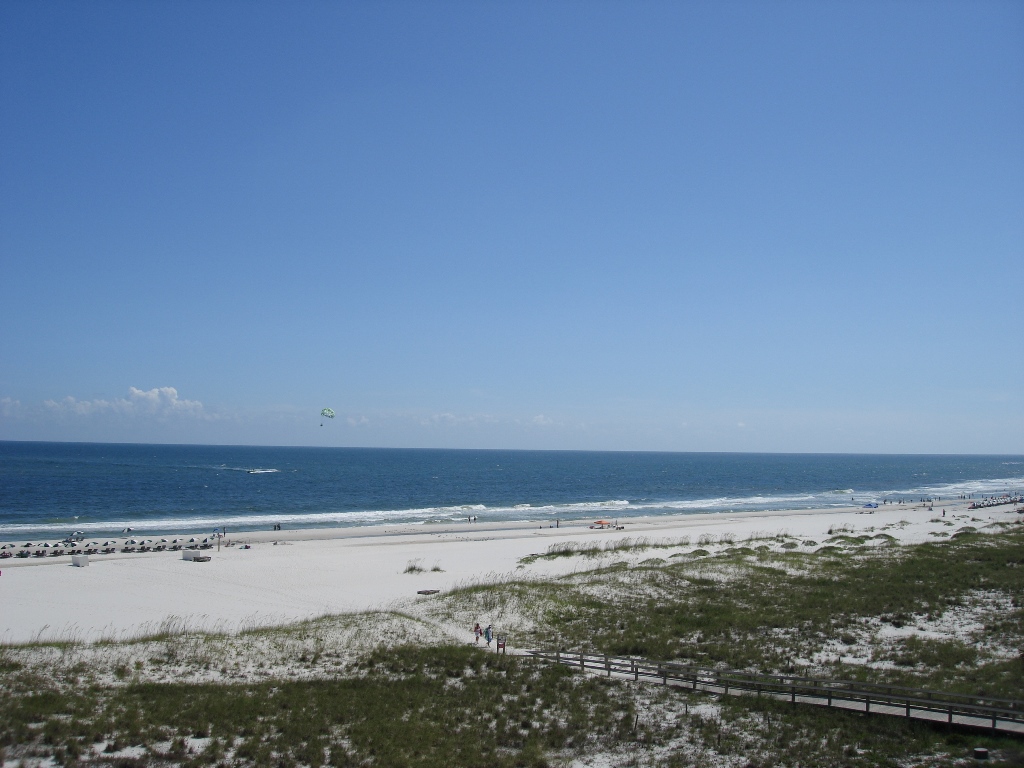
x=58, y=551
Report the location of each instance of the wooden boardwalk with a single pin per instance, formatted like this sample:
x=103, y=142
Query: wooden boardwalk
x=985, y=712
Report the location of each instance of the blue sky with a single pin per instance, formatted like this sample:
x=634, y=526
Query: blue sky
x=642, y=226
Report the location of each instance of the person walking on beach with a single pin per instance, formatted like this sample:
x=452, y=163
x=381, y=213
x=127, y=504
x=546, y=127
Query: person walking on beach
x=488, y=635
x=477, y=632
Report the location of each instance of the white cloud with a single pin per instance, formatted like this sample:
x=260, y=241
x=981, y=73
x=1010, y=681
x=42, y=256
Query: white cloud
x=542, y=420
x=447, y=418
x=159, y=402
x=10, y=408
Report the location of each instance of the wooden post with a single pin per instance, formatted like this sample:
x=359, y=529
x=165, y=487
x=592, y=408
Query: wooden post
x=583, y=664
x=607, y=666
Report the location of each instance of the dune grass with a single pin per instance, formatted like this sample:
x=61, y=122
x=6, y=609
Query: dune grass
x=743, y=607
x=768, y=611
x=407, y=706
x=446, y=706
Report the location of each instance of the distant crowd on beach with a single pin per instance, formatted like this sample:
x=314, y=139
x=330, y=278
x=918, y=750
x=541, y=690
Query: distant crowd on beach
x=995, y=501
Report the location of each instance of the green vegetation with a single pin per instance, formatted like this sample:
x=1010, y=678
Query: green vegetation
x=450, y=707
x=779, y=611
x=946, y=615
x=593, y=549
x=408, y=706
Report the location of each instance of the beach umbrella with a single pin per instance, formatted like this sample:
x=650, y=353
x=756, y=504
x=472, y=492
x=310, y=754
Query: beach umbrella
x=192, y=540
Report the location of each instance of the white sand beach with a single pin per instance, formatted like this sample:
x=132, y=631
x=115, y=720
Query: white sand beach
x=294, y=575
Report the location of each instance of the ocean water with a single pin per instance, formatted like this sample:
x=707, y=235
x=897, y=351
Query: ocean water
x=51, y=489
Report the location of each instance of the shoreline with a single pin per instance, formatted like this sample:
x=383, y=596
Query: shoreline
x=330, y=532
x=506, y=529
x=289, y=576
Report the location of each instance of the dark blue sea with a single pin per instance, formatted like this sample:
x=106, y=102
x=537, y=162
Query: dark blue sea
x=51, y=489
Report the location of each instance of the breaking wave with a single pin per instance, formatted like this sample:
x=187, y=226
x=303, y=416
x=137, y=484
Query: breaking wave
x=519, y=511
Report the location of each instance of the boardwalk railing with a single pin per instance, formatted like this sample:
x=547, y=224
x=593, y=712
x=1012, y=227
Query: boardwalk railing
x=937, y=706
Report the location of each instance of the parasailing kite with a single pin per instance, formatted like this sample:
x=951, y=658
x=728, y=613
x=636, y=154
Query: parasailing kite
x=326, y=413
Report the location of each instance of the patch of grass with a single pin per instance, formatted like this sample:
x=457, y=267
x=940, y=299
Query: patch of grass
x=454, y=706
x=853, y=540
x=595, y=549
x=766, y=614
x=414, y=566
x=927, y=652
